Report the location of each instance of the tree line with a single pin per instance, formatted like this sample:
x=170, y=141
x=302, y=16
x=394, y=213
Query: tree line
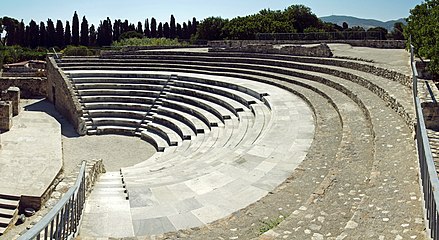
x=294, y=19
x=57, y=34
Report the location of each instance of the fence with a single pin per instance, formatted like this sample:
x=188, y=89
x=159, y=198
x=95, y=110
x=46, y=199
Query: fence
x=429, y=177
x=341, y=35
x=63, y=220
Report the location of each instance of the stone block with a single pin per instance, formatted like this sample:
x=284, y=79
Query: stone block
x=430, y=110
x=12, y=94
x=5, y=116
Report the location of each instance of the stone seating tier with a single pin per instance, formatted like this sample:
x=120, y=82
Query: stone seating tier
x=362, y=132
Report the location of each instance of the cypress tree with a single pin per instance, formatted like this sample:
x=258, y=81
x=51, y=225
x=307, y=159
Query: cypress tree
x=59, y=34
x=139, y=28
x=147, y=30
x=194, y=26
x=27, y=37
x=43, y=35
x=93, y=36
x=160, y=30
x=153, y=28
x=184, y=31
x=131, y=28
x=166, y=30
x=116, y=29
x=173, y=29
x=33, y=34
x=67, y=34
x=189, y=29
x=21, y=34
x=50, y=42
x=179, y=32
x=75, y=29
x=109, y=33
x=84, y=32
x=124, y=27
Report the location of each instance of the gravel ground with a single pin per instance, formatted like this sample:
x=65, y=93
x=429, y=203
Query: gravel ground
x=116, y=151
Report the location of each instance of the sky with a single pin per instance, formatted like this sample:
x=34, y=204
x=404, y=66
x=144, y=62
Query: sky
x=183, y=10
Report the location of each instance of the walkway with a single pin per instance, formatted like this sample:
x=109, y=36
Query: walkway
x=31, y=155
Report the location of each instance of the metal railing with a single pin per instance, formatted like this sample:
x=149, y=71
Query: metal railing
x=429, y=177
x=63, y=220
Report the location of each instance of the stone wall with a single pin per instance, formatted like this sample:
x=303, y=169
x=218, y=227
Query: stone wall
x=394, y=44
x=30, y=87
x=60, y=92
x=317, y=50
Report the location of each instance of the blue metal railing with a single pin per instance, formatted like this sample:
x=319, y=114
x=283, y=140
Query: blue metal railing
x=64, y=218
x=429, y=177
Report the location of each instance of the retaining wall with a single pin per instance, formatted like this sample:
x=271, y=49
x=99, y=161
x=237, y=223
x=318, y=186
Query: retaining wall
x=61, y=94
x=393, y=44
x=30, y=87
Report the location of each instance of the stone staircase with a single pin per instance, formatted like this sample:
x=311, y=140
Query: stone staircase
x=359, y=172
x=8, y=211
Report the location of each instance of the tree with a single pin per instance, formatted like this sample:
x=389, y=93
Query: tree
x=139, y=28
x=75, y=29
x=59, y=34
x=153, y=28
x=160, y=30
x=166, y=30
x=172, y=28
x=67, y=34
x=10, y=25
x=33, y=34
x=185, y=32
x=147, y=30
x=93, y=36
x=212, y=28
x=345, y=26
x=301, y=17
x=21, y=34
x=50, y=42
x=377, y=33
x=116, y=29
x=422, y=28
x=179, y=32
x=84, y=32
x=194, y=26
x=398, y=31
x=43, y=35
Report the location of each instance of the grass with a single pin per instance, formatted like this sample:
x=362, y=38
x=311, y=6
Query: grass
x=270, y=224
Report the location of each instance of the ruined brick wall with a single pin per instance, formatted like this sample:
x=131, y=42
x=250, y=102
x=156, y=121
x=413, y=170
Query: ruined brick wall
x=318, y=50
x=30, y=87
x=60, y=92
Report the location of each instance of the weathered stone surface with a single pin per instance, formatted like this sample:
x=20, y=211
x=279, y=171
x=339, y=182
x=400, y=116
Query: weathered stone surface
x=5, y=116
x=318, y=50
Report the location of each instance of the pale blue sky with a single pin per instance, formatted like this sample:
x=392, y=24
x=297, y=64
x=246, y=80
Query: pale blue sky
x=138, y=10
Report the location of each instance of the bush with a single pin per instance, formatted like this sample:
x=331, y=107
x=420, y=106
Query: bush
x=147, y=42
x=18, y=54
x=77, y=51
x=130, y=34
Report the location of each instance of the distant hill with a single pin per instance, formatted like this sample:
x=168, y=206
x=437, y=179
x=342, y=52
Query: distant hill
x=365, y=23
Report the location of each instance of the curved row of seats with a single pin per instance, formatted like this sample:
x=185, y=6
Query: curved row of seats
x=250, y=140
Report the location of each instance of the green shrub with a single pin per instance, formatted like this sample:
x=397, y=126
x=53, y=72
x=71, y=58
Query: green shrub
x=18, y=54
x=130, y=34
x=77, y=51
